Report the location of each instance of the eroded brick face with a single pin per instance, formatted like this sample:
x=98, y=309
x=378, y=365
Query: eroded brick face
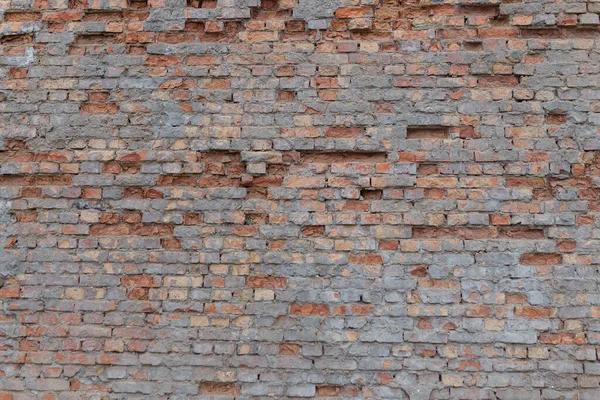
x=269, y=199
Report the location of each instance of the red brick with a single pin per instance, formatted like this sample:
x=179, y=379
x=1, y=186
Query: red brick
x=361, y=309
x=535, y=312
x=516, y=181
x=153, y=229
x=289, y=349
x=541, y=259
x=365, y=259
x=480, y=311
x=110, y=230
x=162, y=61
x=271, y=282
x=37, y=180
x=140, y=281
x=62, y=16
x=310, y=309
x=562, y=338
x=202, y=60
x=353, y=12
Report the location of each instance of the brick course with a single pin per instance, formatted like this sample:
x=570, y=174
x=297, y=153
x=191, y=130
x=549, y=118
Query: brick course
x=295, y=199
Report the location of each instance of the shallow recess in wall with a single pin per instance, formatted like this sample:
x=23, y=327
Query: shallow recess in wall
x=202, y=3
x=138, y=4
x=473, y=46
x=427, y=132
x=371, y=194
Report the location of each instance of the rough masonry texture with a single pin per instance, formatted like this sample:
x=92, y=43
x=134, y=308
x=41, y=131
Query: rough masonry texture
x=345, y=199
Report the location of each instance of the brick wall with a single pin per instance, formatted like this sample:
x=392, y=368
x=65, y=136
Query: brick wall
x=270, y=199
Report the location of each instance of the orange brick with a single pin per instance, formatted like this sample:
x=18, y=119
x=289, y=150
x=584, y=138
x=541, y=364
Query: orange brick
x=309, y=309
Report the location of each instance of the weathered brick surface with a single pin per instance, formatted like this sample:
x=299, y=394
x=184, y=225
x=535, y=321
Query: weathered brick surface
x=295, y=199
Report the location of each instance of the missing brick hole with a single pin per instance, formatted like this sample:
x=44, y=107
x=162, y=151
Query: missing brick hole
x=202, y=3
x=473, y=46
x=269, y=5
x=556, y=118
x=136, y=49
x=427, y=132
x=138, y=4
x=277, y=169
x=344, y=157
x=370, y=194
x=286, y=95
x=77, y=4
x=17, y=40
x=194, y=26
x=256, y=219
x=295, y=26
